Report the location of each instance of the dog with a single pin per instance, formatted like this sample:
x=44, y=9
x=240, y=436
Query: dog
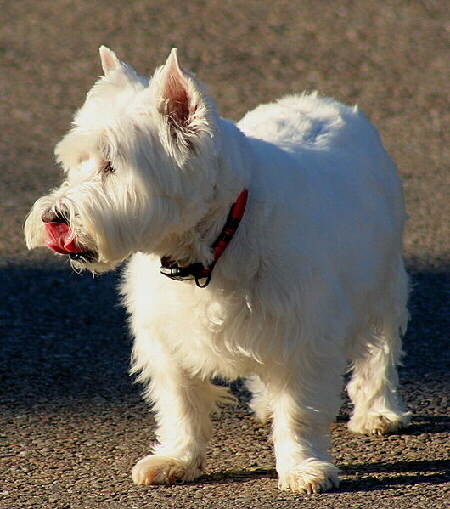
x=270, y=249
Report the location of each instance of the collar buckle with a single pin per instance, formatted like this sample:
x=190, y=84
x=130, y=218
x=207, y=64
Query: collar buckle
x=197, y=271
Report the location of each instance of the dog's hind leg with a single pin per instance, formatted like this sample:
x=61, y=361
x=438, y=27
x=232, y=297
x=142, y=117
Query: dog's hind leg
x=260, y=402
x=378, y=408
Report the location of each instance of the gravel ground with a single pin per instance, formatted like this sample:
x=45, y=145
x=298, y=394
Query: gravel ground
x=72, y=422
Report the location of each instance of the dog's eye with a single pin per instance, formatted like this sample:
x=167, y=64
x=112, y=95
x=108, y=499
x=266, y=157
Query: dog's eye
x=107, y=168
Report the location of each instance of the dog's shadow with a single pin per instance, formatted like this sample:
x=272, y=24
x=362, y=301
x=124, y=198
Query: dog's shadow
x=401, y=473
x=354, y=477
x=427, y=424
x=237, y=476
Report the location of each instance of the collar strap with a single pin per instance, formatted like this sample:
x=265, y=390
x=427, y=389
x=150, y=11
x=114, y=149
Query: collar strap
x=197, y=271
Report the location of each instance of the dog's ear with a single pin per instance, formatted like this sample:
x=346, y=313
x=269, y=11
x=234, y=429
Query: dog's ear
x=110, y=64
x=177, y=100
x=182, y=102
x=109, y=60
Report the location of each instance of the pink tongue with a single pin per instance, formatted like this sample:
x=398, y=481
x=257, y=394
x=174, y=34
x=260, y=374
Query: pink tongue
x=60, y=238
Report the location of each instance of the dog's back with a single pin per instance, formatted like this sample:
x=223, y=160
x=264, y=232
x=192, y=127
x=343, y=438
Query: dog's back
x=331, y=175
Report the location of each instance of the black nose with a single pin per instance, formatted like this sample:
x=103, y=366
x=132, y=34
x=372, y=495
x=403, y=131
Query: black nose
x=55, y=216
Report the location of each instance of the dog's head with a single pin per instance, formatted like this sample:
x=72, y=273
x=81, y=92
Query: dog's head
x=141, y=164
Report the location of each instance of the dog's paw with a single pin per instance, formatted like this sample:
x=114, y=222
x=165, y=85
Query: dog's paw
x=154, y=469
x=310, y=476
x=379, y=424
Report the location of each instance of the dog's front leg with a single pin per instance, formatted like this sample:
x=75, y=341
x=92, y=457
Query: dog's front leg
x=182, y=404
x=303, y=407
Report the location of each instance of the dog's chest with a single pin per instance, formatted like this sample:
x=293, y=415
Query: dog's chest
x=212, y=334
x=204, y=329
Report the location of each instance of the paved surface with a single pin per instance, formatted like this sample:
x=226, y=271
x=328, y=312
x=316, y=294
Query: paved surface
x=72, y=422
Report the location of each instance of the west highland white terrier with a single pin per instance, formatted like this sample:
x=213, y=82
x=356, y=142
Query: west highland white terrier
x=270, y=250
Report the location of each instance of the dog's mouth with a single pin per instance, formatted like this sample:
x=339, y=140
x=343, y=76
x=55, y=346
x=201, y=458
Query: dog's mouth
x=85, y=257
x=61, y=239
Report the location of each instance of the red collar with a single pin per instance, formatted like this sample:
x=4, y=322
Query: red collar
x=198, y=271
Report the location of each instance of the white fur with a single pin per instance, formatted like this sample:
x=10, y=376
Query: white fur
x=313, y=277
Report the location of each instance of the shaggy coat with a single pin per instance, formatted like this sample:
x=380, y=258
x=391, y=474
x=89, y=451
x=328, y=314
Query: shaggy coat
x=313, y=277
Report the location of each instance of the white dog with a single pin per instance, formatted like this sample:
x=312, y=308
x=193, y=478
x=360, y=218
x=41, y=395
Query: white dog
x=294, y=217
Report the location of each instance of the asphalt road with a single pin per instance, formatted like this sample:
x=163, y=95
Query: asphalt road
x=72, y=422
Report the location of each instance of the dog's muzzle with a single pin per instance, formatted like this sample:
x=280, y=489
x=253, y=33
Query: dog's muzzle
x=61, y=239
